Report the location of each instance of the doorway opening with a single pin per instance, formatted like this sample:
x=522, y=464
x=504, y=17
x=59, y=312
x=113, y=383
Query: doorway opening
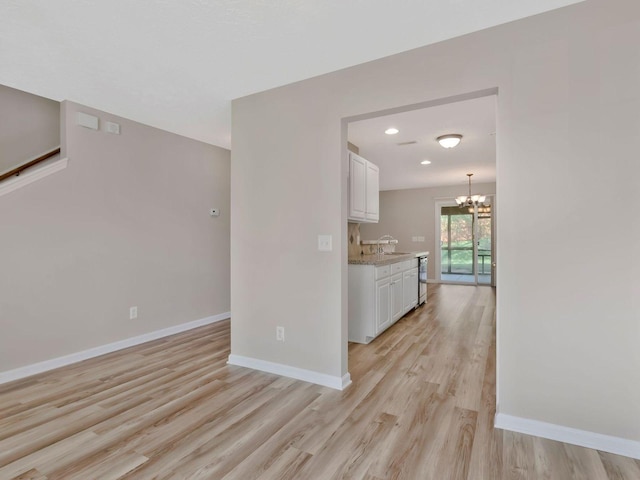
x=411, y=160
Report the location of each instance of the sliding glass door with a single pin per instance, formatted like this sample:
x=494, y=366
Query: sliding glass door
x=456, y=241
x=466, y=253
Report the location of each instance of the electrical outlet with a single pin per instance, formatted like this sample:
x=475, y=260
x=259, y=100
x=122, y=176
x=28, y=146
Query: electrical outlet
x=280, y=334
x=133, y=313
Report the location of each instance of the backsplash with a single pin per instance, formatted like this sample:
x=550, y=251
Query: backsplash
x=355, y=249
x=353, y=239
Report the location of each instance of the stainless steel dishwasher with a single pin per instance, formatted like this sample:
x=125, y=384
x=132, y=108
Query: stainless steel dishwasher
x=423, y=261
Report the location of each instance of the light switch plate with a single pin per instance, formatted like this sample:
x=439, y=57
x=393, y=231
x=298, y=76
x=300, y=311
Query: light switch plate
x=324, y=243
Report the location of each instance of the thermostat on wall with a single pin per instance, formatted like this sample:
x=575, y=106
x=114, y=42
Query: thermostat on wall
x=113, y=128
x=214, y=212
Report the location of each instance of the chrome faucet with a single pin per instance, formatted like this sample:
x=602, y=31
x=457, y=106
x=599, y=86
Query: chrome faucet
x=383, y=237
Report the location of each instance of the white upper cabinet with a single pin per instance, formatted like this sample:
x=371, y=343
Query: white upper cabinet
x=363, y=190
x=372, y=209
x=357, y=187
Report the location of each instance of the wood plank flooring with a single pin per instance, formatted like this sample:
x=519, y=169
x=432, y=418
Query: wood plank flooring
x=421, y=407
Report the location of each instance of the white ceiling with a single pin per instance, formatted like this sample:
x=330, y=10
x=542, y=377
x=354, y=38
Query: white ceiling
x=400, y=165
x=177, y=64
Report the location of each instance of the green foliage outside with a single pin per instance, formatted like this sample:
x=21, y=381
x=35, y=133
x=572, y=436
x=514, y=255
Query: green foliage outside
x=456, y=233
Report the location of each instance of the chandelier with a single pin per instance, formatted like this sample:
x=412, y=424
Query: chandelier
x=483, y=211
x=470, y=200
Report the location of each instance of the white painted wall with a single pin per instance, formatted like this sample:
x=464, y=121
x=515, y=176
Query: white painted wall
x=30, y=127
x=125, y=224
x=568, y=115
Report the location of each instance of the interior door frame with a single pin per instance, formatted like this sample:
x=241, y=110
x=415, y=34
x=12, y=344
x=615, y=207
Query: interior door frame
x=491, y=202
x=492, y=269
x=494, y=244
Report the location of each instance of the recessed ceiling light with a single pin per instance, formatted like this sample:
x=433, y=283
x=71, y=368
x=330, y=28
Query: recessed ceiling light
x=449, y=141
x=425, y=162
x=391, y=131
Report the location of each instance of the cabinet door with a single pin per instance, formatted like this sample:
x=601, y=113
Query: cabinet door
x=372, y=212
x=383, y=304
x=410, y=289
x=415, y=287
x=397, y=304
x=357, y=187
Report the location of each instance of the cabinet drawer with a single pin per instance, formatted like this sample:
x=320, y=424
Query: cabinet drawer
x=383, y=271
x=403, y=266
x=397, y=267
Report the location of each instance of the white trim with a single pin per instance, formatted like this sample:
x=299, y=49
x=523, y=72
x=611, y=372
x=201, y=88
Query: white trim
x=338, y=383
x=583, y=438
x=32, y=174
x=58, y=362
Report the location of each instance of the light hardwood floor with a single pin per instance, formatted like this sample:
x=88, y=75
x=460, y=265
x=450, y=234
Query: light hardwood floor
x=421, y=407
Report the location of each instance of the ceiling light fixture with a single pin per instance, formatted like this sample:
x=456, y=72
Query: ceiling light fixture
x=470, y=200
x=425, y=162
x=449, y=141
x=391, y=131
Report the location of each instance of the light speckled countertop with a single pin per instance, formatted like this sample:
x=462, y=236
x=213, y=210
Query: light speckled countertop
x=385, y=259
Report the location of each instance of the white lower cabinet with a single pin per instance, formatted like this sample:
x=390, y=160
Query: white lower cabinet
x=397, y=304
x=383, y=304
x=409, y=279
x=379, y=296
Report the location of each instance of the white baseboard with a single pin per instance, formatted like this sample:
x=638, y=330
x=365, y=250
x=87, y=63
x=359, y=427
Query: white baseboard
x=583, y=438
x=47, y=365
x=33, y=174
x=338, y=383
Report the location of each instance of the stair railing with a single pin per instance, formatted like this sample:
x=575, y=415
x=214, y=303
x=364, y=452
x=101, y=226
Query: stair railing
x=20, y=168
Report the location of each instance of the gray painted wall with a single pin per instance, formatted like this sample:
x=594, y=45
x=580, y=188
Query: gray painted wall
x=125, y=224
x=568, y=123
x=411, y=212
x=30, y=126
